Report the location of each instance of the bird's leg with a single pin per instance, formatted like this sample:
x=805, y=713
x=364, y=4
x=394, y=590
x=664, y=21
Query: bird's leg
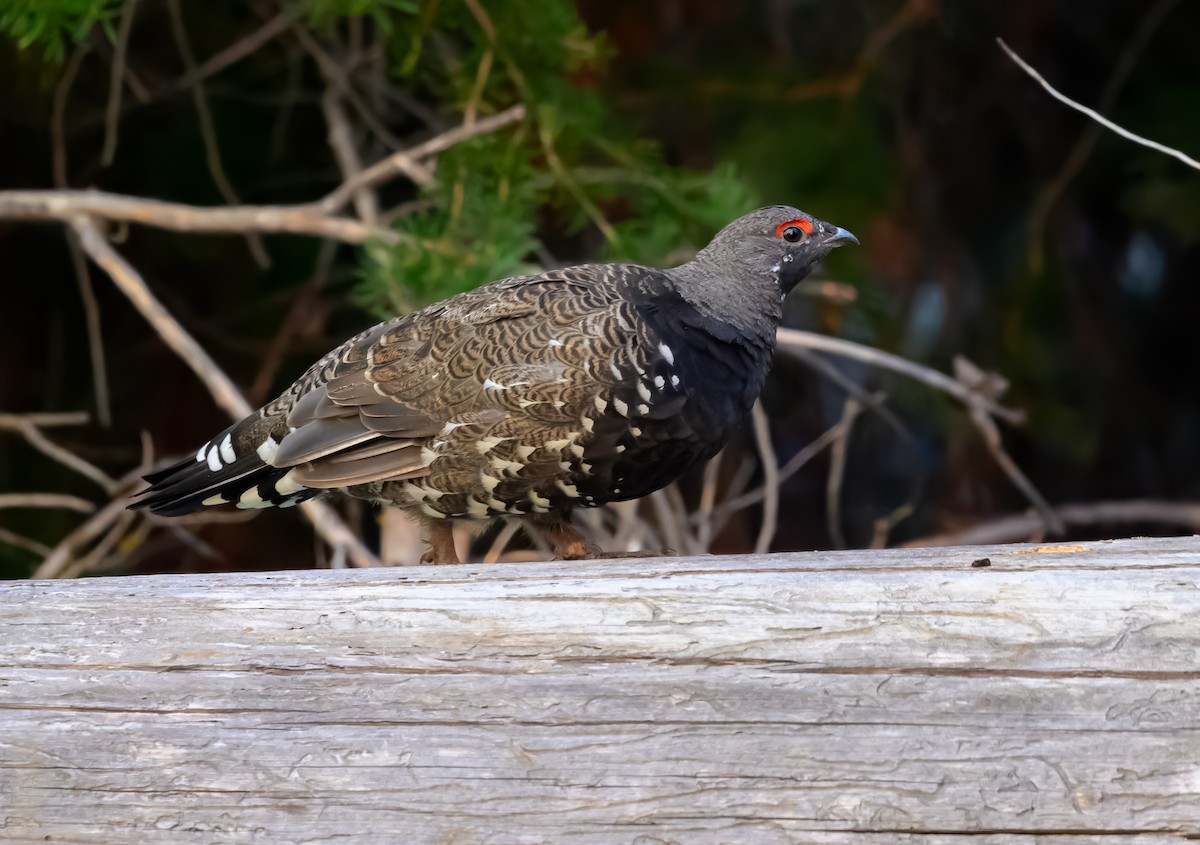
x=567, y=542
x=441, y=543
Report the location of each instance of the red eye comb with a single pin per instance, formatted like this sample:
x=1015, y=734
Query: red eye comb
x=800, y=223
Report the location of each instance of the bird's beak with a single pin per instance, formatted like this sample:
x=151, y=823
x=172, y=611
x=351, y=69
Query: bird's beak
x=840, y=236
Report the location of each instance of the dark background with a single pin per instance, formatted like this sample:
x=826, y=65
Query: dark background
x=996, y=224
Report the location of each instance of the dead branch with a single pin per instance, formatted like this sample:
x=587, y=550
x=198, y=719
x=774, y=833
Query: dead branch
x=26, y=426
x=1095, y=115
x=224, y=392
x=770, y=487
x=402, y=162
x=116, y=83
x=295, y=219
x=1020, y=527
x=208, y=131
x=795, y=338
x=238, y=50
x=46, y=500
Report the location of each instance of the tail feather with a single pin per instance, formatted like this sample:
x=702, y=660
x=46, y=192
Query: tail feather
x=217, y=476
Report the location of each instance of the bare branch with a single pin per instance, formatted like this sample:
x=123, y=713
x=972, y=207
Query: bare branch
x=838, y=454
x=1020, y=527
x=403, y=162
x=208, y=132
x=341, y=142
x=1095, y=115
x=116, y=84
x=25, y=426
x=794, y=338
x=19, y=541
x=295, y=219
x=131, y=284
x=770, y=467
x=238, y=50
x=45, y=500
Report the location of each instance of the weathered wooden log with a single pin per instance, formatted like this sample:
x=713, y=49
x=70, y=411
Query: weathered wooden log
x=903, y=696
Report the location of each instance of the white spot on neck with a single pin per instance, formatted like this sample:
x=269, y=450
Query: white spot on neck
x=667, y=353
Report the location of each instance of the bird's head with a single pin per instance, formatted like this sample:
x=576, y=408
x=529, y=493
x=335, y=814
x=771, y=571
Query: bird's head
x=778, y=242
x=747, y=269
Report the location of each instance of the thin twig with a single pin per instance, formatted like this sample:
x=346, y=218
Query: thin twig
x=20, y=541
x=1095, y=115
x=224, y=392
x=295, y=219
x=366, y=204
x=789, y=338
x=770, y=467
x=238, y=50
x=837, y=472
x=58, y=112
x=208, y=132
x=116, y=84
x=1073, y=163
x=1019, y=527
x=95, y=336
x=46, y=500
x=503, y=537
x=332, y=71
x=402, y=162
x=25, y=426
x=130, y=283
x=995, y=444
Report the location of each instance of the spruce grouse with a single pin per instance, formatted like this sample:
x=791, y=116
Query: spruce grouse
x=528, y=397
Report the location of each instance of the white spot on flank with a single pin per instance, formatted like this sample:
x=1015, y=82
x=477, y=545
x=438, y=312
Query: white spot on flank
x=667, y=353
x=660, y=382
x=267, y=450
x=497, y=505
x=674, y=381
x=251, y=499
x=539, y=501
x=227, y=449
x=287, y=485
x=576, y=450
x=215, y=500
x=502, y=466
x=588, y=424
x=214, y=459
x=523, y=451
x=616, y=371
x=621, y=407
x=487, y=444
x=434, y=512
x=620, y=448
x=570, y=489
x=554, y=342
x=200, y=455
x=558, y=445
x=600, y=404
x=635, y=431
x=643, y=409
x=477, y=510
x=489, y=482
x=643, y=391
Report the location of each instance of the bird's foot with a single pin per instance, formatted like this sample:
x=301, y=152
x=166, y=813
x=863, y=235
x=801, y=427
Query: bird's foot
x=441, y=544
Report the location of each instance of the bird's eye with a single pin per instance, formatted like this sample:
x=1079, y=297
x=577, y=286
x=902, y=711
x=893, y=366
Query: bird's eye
x=793, y=231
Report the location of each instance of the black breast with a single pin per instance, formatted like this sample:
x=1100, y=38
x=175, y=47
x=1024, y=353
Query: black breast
x=693, y=382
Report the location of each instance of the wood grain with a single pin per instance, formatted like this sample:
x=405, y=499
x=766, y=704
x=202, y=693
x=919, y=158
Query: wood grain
x=858, y=697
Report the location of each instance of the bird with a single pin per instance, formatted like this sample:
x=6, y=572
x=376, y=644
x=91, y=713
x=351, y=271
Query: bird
x=527, y=398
